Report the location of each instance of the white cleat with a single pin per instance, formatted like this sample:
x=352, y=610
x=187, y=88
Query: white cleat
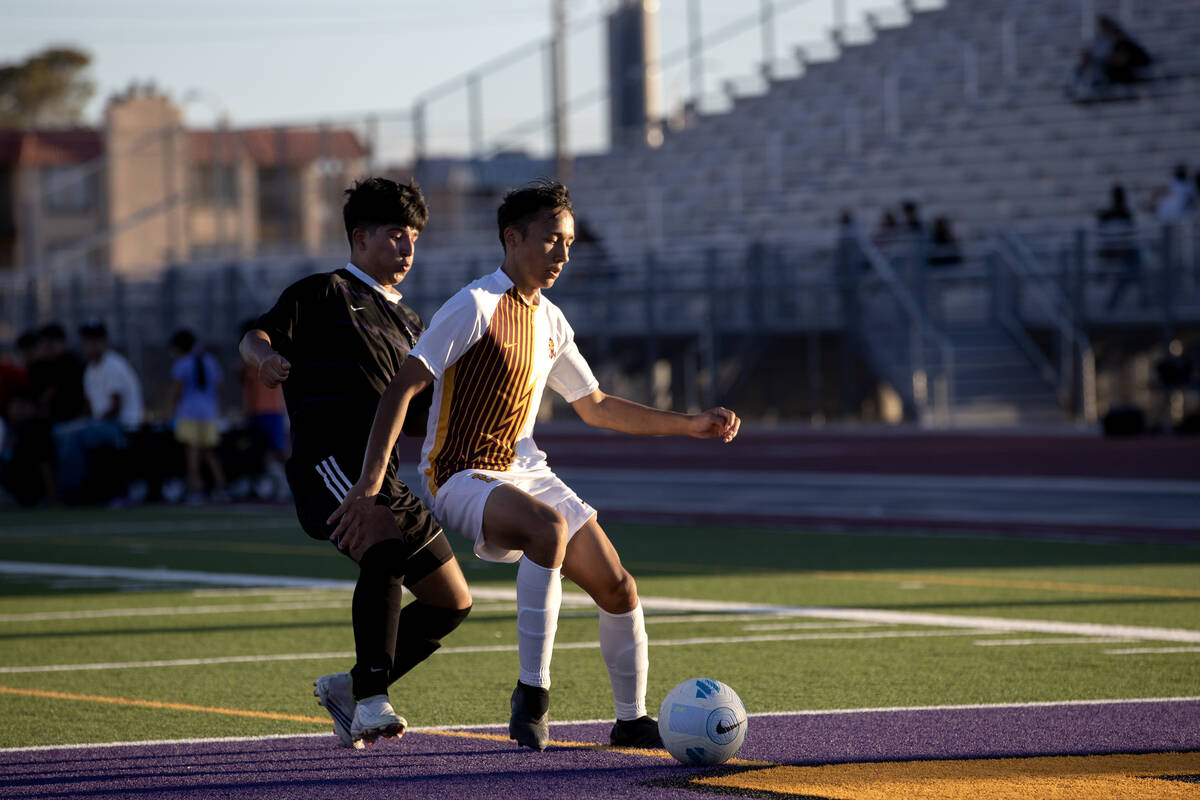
x=375, y=717
x=335, y=694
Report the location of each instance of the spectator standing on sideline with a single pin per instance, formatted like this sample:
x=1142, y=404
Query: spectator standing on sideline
x=27, y=452
x=266, y=419
x=195, y=399
x=56, y=376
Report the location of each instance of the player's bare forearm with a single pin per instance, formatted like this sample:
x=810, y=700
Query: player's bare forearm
x=350, y=517
x=601, y=410
x=407, y=383
x=256, y=350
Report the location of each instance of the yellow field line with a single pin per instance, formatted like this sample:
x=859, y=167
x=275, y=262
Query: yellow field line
x=130, y=701
x=662, y=754
x=1005, y=583
x=240, y=712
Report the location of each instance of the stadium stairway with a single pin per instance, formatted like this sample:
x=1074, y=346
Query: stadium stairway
x=994, y=383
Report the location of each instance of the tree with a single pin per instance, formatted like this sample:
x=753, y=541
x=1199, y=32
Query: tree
x=48, y=88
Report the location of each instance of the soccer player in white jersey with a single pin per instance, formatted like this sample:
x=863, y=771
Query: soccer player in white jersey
x=490, y=351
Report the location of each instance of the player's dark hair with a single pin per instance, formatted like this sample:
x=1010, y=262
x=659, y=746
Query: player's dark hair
x=520, y=206
x=378, y=201
x=184, y=341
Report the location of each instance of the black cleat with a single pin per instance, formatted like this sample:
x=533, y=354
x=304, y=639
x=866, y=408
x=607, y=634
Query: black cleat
x=641, y=732
x=529, y=724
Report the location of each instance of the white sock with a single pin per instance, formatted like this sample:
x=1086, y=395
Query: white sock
x=624, y=645
x=539, y=595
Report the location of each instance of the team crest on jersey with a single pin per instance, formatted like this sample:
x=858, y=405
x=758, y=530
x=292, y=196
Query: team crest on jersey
x=552, y=348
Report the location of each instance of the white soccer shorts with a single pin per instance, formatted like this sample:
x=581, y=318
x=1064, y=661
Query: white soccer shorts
x=460, y=501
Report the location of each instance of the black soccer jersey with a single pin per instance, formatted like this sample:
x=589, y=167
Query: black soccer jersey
x=344, y=342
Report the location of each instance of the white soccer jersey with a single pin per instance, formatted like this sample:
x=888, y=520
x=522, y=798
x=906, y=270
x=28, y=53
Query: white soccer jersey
x=492, y=354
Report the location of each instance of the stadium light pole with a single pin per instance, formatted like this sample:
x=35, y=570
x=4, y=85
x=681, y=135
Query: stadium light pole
x=695, y=44
x=558, y=83
x=766, y=13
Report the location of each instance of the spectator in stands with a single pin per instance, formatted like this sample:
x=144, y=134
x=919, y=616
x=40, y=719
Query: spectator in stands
x=1175, y=201
x=195, y=392
x=943, y=246
x=887, y=233
x=848, y=269
x=1118, y=247
x=913, y=225
x=1114, y=58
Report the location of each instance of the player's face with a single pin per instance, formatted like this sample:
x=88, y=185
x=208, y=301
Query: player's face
x=539, y=256
x=387, y=253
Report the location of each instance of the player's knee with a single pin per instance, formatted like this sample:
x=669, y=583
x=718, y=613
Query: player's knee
x=386, y=556
x=621, y=595
x=549, y=531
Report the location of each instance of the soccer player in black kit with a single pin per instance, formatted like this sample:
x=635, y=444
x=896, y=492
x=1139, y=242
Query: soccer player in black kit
x=334, y=341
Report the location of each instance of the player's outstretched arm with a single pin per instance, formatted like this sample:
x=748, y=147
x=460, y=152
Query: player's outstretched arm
x=351, y=515
x=602, y=410
x=255, y=349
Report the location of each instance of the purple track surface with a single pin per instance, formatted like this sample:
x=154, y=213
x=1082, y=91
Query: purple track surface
x=429, y=765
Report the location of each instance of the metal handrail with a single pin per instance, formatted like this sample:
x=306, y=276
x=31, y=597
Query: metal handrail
x=1024, y=264
x=919, y=330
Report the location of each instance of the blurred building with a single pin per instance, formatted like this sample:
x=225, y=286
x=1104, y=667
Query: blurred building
x=143, y=191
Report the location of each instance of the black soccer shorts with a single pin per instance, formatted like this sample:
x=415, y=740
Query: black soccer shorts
x=320, y=484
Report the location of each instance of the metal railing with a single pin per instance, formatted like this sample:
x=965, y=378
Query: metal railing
x=1019, y=278
x=908, y=367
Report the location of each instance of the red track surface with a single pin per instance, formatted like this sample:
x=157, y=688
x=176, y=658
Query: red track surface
x=881, y=450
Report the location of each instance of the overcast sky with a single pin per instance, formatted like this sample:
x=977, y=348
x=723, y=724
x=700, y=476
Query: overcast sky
x=264, y=61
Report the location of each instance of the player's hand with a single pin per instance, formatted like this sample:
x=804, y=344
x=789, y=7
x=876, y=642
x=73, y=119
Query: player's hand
x=353, y=516
x=274, y=370
x=715, y=423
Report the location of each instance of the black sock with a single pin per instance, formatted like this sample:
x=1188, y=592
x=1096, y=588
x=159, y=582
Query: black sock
x=420, y=633
x=537, y=699
x=375, y=612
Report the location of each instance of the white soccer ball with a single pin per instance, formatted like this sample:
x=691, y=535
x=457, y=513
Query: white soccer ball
x=702, y=721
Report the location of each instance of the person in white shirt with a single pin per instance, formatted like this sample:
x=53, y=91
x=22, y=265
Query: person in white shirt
x=490, y=351
x=111, y=386
x=90, y=466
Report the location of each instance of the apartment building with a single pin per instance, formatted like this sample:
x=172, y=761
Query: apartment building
x=143, y=191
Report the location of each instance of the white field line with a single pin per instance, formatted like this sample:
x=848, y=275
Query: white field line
x=104, y=613
x=470, y=649
x=1051, y=640
x=789, y=626
x=224, y=522
x=1137, y=651
x=868, y=616
x=501, y=726
x=231, y=608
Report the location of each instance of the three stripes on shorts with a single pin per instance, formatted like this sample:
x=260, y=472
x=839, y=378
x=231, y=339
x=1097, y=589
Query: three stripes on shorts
x=335, y=480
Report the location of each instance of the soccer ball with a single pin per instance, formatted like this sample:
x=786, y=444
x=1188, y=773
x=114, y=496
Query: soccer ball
x=702, y=721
